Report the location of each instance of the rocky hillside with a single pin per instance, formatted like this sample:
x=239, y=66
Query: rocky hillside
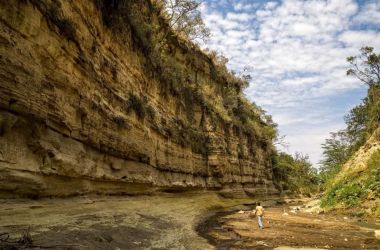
x=101, y=96
x=357, y=186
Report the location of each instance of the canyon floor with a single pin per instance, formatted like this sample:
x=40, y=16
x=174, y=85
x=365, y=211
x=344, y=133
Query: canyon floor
x=287, y=228
x=171, y=221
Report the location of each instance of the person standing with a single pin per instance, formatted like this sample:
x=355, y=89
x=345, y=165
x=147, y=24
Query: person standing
x=259, y=212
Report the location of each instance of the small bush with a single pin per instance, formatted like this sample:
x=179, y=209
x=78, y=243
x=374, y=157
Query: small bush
x=66, y=28
x=119, y=121
x=187, y=136
x=191, y=96
x=347, y=194
x=136, y=104
x=198, y=142
x=350, y=194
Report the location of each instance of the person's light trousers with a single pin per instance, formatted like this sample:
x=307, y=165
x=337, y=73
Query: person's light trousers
x=260, y=220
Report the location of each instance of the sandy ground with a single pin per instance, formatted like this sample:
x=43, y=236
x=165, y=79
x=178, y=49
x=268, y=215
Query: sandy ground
x=165, y=221
x=173, y=221
x=285, y=230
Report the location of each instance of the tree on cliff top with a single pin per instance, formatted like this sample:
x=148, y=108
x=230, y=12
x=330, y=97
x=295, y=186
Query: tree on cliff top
x=185, y=18
x=361, y=121
x=366, y=67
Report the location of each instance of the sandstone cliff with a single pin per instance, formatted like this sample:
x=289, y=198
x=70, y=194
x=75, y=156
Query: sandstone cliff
x=87, y=106
x=357, y=185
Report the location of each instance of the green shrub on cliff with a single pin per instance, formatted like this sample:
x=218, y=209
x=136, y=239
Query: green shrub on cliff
x=66, y=27
x=136, y=104
x=355, y=187
x=119, y=121
x=344, y=193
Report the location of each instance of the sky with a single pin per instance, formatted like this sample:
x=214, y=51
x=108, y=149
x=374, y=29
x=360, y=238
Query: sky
x=296, y=52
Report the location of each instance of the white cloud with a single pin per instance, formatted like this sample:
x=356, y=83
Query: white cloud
x=297, y=50
x=358, y=38
x=369, y=14
x=242, y=17
x=304, y=29
x=271, y=5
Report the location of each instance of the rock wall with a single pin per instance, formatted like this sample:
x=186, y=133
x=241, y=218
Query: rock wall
x=358, y=162
x=80, y=113
x=356, y=188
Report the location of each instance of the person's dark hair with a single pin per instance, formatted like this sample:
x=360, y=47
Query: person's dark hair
x=258, y=203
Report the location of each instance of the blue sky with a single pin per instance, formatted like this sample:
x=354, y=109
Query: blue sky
x=296, y=51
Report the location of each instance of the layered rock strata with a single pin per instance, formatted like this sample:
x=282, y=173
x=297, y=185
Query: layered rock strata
x=80, y=113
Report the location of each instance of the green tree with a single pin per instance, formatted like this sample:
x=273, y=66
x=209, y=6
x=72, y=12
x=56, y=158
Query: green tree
x=336, y=151
x=361, y=121
x=185, y=18
x=295, y=173
x=366, y=67
x=357, y=119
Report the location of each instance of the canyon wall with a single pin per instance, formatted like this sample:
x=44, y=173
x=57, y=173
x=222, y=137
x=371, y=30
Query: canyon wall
x=84, y=109
x=356, y=188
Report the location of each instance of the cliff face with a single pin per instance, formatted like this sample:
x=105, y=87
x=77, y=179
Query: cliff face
x=357, y=186
x=83, y=109
x=359, y=161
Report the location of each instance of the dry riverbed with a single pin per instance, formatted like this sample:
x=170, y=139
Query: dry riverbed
x=164, y=221
x=290, y=229
x=199, y=220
